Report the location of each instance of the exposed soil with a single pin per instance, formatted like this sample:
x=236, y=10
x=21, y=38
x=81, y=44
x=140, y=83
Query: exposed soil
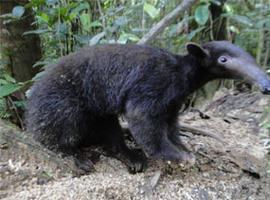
x=234, y=167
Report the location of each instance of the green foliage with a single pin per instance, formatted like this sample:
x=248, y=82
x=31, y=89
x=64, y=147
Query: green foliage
x=8, y=86
x=151, y=10
x=202, y=14
x=8, y=89
x=65, y=25
x=251, y=25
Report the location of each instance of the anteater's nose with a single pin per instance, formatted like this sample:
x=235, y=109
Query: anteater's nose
x=265, y=87
x=266, y=90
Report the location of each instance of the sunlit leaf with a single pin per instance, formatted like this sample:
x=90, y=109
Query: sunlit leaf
x=132, y=37
x=6, y=16
x=85, y=20
x=9, y=78
x=37, y=76
x=95, y=24
x=8, y=89
x=124, y=37
x=3, y=82
x=228, y=8
x=151, y=10
x=96, y=38
x=41, y=63
x=18, y=11
x=234, y=29
x=63, y=11
x=38, y=31
x=43, y=17
x=82, y=39
x=201, y=14
x=72, y=16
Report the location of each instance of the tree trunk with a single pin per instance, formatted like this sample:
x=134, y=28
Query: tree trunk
x=20, y=52
x=219, y=26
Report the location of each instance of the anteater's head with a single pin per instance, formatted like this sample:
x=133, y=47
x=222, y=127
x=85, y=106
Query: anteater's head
x=222, y=59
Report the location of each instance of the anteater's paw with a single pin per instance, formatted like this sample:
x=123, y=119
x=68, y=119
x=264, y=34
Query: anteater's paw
x=185, y=163
x=135, y=161
x=84, y=166
x=83, y=161
x=175, y=155
x=187, y=158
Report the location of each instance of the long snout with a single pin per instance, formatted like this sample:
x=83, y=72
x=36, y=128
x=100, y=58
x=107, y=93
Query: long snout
x=259, y=77
x=252, y=73
x=264, y=85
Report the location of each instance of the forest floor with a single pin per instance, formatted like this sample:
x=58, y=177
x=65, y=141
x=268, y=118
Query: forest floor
x=234, y=165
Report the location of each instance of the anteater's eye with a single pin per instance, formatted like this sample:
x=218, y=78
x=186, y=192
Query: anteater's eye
x=222, y=59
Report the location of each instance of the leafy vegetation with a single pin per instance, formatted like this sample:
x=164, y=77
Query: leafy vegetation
x=11, y=105
x=65, y=25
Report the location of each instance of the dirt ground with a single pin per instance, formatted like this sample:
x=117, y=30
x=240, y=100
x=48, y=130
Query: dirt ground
x=233, y=165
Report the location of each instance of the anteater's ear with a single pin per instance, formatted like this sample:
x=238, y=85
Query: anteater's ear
x=196, y=50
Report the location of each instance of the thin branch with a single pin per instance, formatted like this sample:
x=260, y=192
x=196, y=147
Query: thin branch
x=211, y=27
x=196, y=131
x=167, y=20
x=267, y=52
x=101, y=14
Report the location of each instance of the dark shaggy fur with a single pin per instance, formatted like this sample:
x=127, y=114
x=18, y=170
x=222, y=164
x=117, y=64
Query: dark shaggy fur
x=78, y=101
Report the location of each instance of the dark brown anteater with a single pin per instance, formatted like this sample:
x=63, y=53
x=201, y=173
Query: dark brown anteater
x=77, y=102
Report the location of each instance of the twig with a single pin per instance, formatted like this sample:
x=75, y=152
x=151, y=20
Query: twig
x=260, y=41
x=201, y=114
x=101, y=14
x=211, y=27
x=150, y=185
x=187, y=128
x=196, y=131
x=143, y=21
x=267, y=53
x=162, y=24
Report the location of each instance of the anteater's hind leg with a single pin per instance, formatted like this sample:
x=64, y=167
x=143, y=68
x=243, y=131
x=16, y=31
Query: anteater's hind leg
x=113, y=141
x=75, y=130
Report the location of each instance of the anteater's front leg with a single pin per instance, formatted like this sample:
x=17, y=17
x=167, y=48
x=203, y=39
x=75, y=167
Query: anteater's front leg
x=174, y=135
x=151, y=133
